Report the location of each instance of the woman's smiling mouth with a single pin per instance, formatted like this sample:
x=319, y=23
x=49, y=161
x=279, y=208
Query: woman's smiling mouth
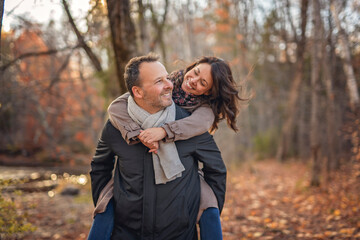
x=187, y=83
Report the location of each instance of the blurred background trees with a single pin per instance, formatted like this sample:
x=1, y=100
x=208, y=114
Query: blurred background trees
x=297, y=60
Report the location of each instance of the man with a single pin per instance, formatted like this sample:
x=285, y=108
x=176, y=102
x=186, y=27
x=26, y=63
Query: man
x=146, y=205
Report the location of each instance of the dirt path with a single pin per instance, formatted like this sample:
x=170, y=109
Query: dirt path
x=265, y=200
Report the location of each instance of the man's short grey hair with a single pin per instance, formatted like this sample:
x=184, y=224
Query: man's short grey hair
x=131, y=74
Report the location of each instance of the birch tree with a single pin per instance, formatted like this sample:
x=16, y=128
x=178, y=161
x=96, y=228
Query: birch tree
x=348, y=69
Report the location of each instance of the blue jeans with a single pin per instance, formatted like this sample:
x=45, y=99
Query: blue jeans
x=101, y=229
x=103, y=224
x=210, y=226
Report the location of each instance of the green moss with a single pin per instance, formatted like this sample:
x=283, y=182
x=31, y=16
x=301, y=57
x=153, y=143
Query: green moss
x=265, y=144
x=83, y=198
x=10, y=221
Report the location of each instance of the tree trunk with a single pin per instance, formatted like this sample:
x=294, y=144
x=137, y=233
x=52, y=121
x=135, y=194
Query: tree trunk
x=303, y=129
x=144, y=37
x=284, y=33
x=122, y=35
x=194, y=50
x=159, y=26
x=348, y=69
x=2, y=4
x=288, y=14
x=286, y=132
x=315, y=96
x=331, y=129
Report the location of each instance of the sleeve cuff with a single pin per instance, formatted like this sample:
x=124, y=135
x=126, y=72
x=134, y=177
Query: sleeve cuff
x=172, y=131
x=133, y=131
x=169, y=134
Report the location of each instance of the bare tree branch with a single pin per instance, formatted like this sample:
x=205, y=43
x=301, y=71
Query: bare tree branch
x=93, y=58
x=35, y=54
x=12, y=10
x=159, y=26
x=288, y=13
x=56, y=78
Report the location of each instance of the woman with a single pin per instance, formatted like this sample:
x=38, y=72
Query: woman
x=207, y=89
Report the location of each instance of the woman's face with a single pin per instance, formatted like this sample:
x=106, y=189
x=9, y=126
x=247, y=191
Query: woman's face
x=198, y=80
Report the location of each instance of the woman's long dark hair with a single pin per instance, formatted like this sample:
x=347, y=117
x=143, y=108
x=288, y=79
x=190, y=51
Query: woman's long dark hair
x=224, y=98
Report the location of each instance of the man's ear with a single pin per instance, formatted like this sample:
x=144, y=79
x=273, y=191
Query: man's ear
x=137, y=91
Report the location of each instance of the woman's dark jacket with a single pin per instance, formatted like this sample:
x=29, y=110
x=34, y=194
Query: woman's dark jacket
x=144, y=210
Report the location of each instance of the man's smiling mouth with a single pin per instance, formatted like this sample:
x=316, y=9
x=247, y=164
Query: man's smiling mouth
x=167, y=94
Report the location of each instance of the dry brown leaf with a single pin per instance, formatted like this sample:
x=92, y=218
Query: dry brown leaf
x=258, y=234
x=330, y=233
x=267, y=220
x=349, y=231
x=337, y=212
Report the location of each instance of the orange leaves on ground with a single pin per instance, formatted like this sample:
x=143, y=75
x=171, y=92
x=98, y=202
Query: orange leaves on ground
x=274, y=201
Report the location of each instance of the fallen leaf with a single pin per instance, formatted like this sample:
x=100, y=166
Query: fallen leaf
x=349, y=231
x=267, y=220
x=330, y=233
x=258, y=234
x=337, y=212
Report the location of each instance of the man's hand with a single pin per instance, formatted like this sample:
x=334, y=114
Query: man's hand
x=151, y=135
x=154, y=146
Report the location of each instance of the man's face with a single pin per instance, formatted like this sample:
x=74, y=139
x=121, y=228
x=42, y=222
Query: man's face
x=155, y=88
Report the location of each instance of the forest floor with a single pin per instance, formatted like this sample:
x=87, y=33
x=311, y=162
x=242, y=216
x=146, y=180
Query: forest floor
x=269, y=200
x=264, y=200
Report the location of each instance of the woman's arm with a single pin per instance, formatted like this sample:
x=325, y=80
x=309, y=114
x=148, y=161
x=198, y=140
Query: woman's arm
x=196, y=124
x=120, y=119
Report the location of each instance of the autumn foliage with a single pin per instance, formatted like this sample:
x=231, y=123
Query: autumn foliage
x=53, y=106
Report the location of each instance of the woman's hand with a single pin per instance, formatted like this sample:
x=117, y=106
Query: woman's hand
x=151, y=135
x=153, y=146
